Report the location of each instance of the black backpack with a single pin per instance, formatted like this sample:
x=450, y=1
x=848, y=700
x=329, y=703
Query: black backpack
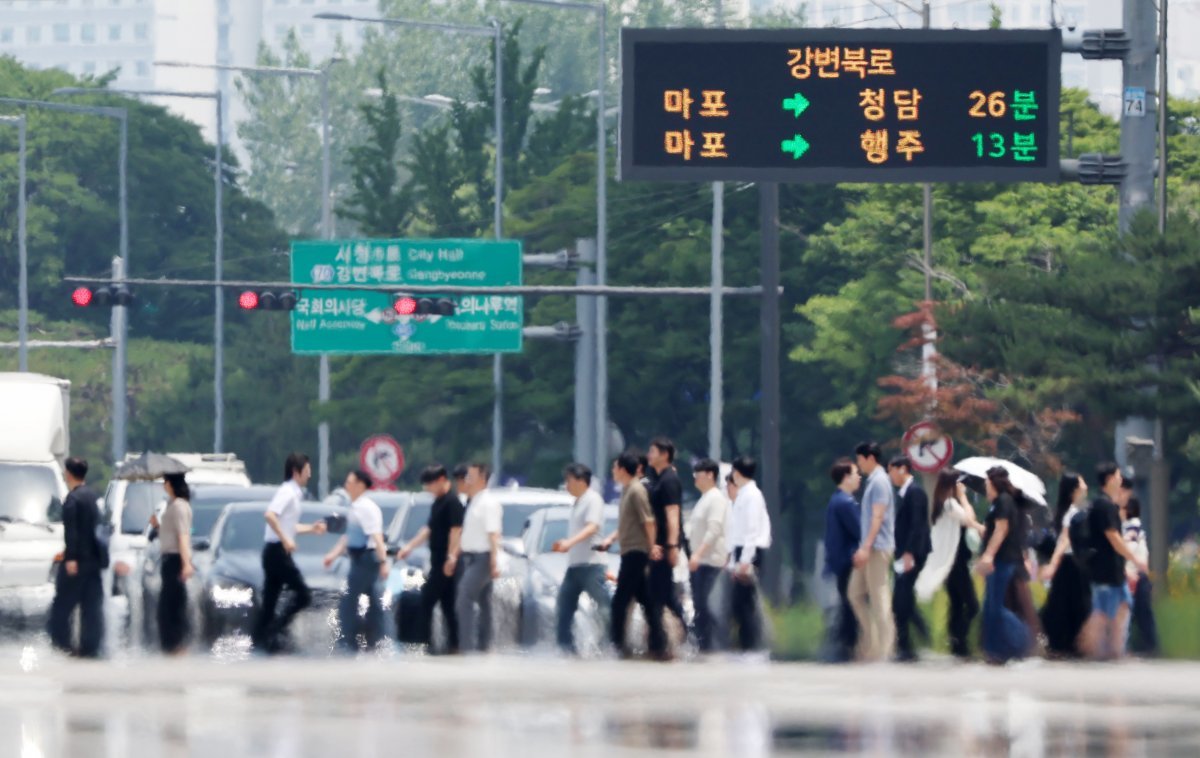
x=1080, y=533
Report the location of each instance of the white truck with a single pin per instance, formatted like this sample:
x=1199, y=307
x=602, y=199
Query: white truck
x=34, y=442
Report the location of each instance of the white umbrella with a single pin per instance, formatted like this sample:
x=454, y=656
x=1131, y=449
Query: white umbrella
x=1022, y=479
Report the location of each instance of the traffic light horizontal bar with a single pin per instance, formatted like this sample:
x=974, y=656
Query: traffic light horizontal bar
x=408, y=289
x=94, y=344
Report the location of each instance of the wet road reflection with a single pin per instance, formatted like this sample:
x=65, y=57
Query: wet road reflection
x=532, y=706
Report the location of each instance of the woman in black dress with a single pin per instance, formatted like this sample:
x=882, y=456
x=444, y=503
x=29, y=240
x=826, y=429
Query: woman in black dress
x=1070, y=600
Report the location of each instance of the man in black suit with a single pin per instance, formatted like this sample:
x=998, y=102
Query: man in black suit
x=78, y=582
x=912, y=548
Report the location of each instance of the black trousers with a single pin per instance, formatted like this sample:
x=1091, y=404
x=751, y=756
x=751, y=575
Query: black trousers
x=279, y=571
x=904, y=608
x=364, y=573
x=662, y=588
x=633, y=584
x=439, y=589
x=1144, y=641
x=964, y=605
x=846, y=631
x=85, y=590
x=745, y=604
x=703, y=579
x=172, y=604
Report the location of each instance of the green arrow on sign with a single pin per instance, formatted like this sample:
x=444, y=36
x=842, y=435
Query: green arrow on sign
x=797, y=146
x=797, y=104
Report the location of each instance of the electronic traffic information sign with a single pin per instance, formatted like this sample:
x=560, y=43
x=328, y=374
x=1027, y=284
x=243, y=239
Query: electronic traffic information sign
x=840, y=105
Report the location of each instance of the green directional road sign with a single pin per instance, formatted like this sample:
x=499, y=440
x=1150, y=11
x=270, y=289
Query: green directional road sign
x=365, y=321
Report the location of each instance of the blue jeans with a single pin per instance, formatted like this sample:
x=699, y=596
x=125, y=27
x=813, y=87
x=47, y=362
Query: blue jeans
x=1005, y=635
x=587, y=578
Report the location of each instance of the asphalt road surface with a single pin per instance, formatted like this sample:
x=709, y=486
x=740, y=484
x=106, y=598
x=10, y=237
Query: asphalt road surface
x=531, y=706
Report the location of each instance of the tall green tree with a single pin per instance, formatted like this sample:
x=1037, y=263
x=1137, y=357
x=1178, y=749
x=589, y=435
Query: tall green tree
x=381, y=203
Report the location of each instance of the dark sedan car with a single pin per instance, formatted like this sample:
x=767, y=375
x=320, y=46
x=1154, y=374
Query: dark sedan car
x=232, y=581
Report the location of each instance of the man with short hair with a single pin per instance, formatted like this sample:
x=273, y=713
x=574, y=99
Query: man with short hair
x=913, y=545
x=479, y=551
x=666, y=496
x=367, y=548
x=750, y=537
x=78, y=580
x=869, y=590
x=636, y=532
x=843, y=532
x=709, y=554
x=585, y=562
x=442, y=532
x=279, y=542
x=1103, y=635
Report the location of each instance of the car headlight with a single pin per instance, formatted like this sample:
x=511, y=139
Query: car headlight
x=227, y=594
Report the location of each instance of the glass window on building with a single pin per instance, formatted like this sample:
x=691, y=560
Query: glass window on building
x=6, y=34
x=89, y=67
x=141, y=31
x=33, y=34
x=307, y=32
x=87, y=32
x=62, y=33
x=143, y=68
x=114, y=32
x=281, y=32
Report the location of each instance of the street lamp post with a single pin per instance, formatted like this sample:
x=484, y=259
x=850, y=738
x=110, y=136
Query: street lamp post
x=119, y=323
x=322, y=75
x=496, y=31
x=219, y=245
x=23, y=258
x=601, y=11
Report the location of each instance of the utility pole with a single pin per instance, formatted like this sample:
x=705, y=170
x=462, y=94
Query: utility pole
x=585, y=364
x=770, y=460
x=1139, y=135
x=716, y=310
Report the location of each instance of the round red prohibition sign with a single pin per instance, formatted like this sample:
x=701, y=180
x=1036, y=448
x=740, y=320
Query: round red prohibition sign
x=382, y=457
x=927, y=448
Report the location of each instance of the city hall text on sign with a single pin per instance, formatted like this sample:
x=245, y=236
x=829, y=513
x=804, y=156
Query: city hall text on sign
x=833, y=105
x=365, y=321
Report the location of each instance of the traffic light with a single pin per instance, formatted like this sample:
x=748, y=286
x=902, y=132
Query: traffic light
x=407, y=305
x=104, y=295
x=267, y=300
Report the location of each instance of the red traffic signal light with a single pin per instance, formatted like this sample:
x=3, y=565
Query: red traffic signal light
x=82, y=297
x=111, y=294
x=267, y=300
x=407, y=305
x=248, y=300
x=404, y=305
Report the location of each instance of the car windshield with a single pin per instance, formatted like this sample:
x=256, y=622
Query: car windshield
x=207, y=507
x=244, y=529
x=515, y=516
x=27, y=492
x=417, y=517
x=552, y=531
x=142, y=499
x=315, y=544
x=388, y=509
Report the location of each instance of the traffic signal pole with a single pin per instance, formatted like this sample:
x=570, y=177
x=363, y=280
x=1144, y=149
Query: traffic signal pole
x=769, y=405
x=1139, y=135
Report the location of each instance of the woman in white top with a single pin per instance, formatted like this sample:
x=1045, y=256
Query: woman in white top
x=1069, y=602
x=951, y=514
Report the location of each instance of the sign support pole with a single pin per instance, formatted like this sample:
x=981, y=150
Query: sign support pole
x=769, y=474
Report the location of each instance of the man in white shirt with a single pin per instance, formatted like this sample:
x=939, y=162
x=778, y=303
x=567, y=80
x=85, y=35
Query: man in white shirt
x=585, y=565
x=369, y=564
x=750, y=535
x=706, y=533
x=279, y=570
x=479, y=550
